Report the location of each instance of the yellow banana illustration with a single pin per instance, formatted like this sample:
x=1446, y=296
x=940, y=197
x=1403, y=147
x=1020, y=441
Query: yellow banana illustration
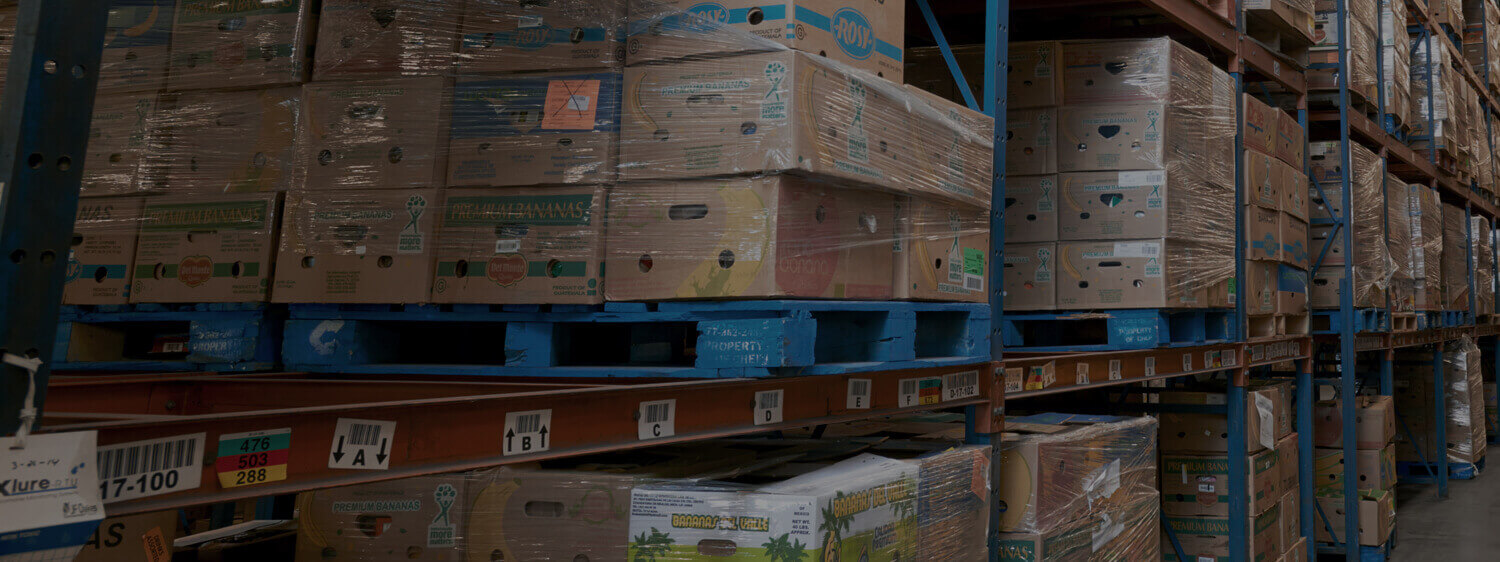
x=487, y=508
x=141, y=28
x=1062, y=256
x=745, y=218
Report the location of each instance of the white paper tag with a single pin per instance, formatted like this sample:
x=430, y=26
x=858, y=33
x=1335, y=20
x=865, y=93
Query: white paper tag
x=1150, y=367
x=768, y=406
x=1187, y=362
x=1115, y=370
x=1207, y=488
x=529, y=21
x=577, y=102
x=1137, y=249
x=1083, y=374
x=1142, y=178
x=1015, y=379
x=527, y=432
x=957, y=386
x=49, y=496
x=1265, y=410
x=658, y=420
x=1257, y=352
x=361, y=444
x=152, y=467
x=507, y=246
x=858, y=397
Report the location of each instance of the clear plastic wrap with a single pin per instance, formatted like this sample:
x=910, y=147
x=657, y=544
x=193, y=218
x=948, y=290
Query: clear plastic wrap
x=1481, y=16
x=1373, y=265
x=357, y=246
x=360, y=39
x=1426, y=245
x=230, y=44
x=8, y=16
x=1398, y=243
x=137, y=43
x=1455, y=258
x=1484, y=264
x=103, y=250
x=1361, y=48
x=1438, y=101
x=1465, y=418
x=207, y=142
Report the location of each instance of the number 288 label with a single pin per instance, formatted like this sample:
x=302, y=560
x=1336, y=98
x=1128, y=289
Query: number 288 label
x=256, y=457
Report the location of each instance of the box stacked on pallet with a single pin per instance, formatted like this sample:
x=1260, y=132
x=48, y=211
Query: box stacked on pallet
x=1481, y=42
x=1275, y=209
x=1434, y=87
x=1195, y=474
x=1147, y=182
x=1035, y=88
x=1363, y=18
x=1464, y=416
x=1395, y=60
x=1426, y=246
x=1375, y=419
x=1079, y=487
x=1403, y=285
x=1449, y=14
x=1455, y=258
x=1483, y=263
x=1372, y=261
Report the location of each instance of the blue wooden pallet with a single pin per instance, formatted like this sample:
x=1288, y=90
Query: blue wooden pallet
x=1453, y=318
x=1421, y=473
x=211, y=337
x=1112, y=330
x=690, y=339
x=1429, y=319
x=1365, y=320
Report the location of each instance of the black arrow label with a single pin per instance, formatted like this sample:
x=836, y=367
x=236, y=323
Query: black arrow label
x=510, y=439
x=543, y=433
x=338, y=453
x=380, y=457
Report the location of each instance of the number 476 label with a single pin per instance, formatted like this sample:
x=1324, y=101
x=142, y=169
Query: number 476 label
x=255, y=457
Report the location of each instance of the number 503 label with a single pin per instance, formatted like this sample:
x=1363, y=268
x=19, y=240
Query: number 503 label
x=256, y=457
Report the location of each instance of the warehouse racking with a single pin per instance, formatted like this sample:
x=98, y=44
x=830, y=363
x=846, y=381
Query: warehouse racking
x=49, y=91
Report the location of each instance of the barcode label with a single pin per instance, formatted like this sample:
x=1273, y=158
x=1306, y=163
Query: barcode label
x=148, y=468
x=1210, y=359
x=768, y=407
x=527, y=432
x=1229, y=358
x=921, y=392
x=1015, y=379
x=859, y=395
x=1150, y=367
x=1187, y=362
x=361, y=444
x=1115, y=370
x=1257, y=352
x=1082, y=374
x=958, y=386
x=908, y=387
x=657, y=420
x=173, y=347
x=974, y=282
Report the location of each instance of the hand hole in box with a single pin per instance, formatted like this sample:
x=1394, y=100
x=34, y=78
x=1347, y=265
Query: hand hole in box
x=308, y=262
x=385, y=262
x=1083, y=284
x=644, y=263
x=748, y=128
x=661, y=134
x=554, y=269
x=236, y=269
x=726, y=259
x=755, y=16
x=576, y=36
x=394, y=155
x=716, y=547
x=325, y=157
x=820, y=214
x=544, y=509
x=100, y=274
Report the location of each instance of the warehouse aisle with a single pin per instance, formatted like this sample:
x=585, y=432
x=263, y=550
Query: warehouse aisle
x=1460, y=528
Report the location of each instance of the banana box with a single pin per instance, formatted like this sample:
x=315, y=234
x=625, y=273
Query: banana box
x=1174, y=203
x=1296, y=249
x=1291, y=289
x=1031, y=208
x=1206, y=537
x=954, y=147
x=869, y=35
x=419, y=518
x=1264, y=180
x=548, y=515
x=217, y=142
x=1031, y=276
x=357, y=246
x=1059, y=468
x=385, y=39
x=1260, y=126
x=1154, y=273
x=1260, y=287
x=769, y=236
x=103, y=250
x=218, y=44
x=521, y=245
x=137, y=41
x=1262, y=233
x=215, y=249
x=1198, y=483
x=1072, y=542
x=510, y=36
x=1145, y=137
x=131, y=538
x=1294, y=187
x=119, y=137
x=1031, y=141
x=1034, y=78
x=377, y=134
x=783, y=111
x=942, y=251
x=1137, y=71
x=536, y=129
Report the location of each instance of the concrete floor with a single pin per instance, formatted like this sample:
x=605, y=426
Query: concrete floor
x=1464, y=527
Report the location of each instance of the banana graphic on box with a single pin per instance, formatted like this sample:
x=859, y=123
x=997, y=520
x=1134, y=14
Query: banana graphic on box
x=745, y=222
x=145, y=25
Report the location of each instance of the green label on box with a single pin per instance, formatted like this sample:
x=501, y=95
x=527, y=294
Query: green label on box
x=536, y=210
x=231, y=215
x=973, y=261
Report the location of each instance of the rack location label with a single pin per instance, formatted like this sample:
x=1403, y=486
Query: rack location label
x=657, y=419
x=361, y=444
x=527, y=432
x=149, y=468
x=921, y=392
x=255, y=457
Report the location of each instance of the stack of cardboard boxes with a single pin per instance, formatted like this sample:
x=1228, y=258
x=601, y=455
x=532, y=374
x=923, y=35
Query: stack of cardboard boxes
x=1464, y=416
x=1395, y=60
x=1195, y=476
x=1426, y=246
x=1375, y=419
x=1455, y=258
x=1440, y=102
x=1275, y=207
x=1363, y=17
x=1144, y=191
x=1483, y=249
x=1398, y=224
x=1078, y=488
x=1371, y=259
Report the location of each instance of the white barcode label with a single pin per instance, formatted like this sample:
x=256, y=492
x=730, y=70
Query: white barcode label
x=973, y=282
x=1229, y=358
x=148, y=468
x=958, y=386
x=529, y=22
x=1082, y=376
x=921, y=392
x=1150, y=367
x=657, y=420
x=507, y=246
x=173, y=347
x=1015, y=379
x=1187, y=362
x=527, y=432
x=1257, y=352
x=859, y=395
x=1115, y=370
x=1210, y=359
x=579, y=103
x=768, y=406
x=361, y=444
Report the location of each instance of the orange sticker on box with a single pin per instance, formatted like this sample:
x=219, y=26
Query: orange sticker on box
x=156, y=546
x=570, y=104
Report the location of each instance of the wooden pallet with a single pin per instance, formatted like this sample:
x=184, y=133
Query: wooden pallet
x=1365, y=320
x=167, y=337
x=1276, y=325
x=1406, y=322
x=1487, y=319
x=1272, y=30
x=1113, y=330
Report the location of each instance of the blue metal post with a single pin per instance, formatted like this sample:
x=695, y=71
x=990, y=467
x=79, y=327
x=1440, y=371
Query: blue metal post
x=1305, y=391
x=1241, y=321
x=942, y=43
x=1470, y=262
x=996, y=59
x=1346, y=297
x=1239, y=509
x=1440, y=442
x=1387, y=375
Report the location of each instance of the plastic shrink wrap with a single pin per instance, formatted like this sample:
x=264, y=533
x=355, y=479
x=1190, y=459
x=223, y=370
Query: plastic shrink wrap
x=1456, y=258
x=1398, y=245
x=1484, y=265
x=1372, y=261
x=1427, y=245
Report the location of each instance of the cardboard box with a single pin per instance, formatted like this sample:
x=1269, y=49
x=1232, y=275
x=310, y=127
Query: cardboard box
x=1287, y=452
x=521, y=245
x=1260, y=287
x=520, y=130
x=1034, y=76
x=103, y=250
x=357, y=246
x=1377, y=469
x=422, y=518
x=1067, y=543
x=385, y=39
x=1291, y=290
x=1031, y=208
x=716, y=237
x=1263, y=180
x=950, y=143
x=1137, y=71
x=121, y=538
x=1296, y=248
x=137, y=41
x=240, y=141
x=119, y=138
x=942, y=251
x=1260, y=125
x=265, y=44
x=1291, y=142
x=867, y=34
x=1058, y=468
x=1030, y=276
x=376, y=134
x=743, y=521
x=1209, y=433
x=1262, y=233
x=1133, y=205
x=1207, y=537
x=1198, y=484
x=1455, y=258
x=1153, y=273
x=1291, y=521
x=1328, y=471
x=1377, y=517
x=1324, y=291
x=1281, y=415
x=215, y=249
x=1294, y=188
x=1375, y=416
x=1293, y=14
x=1144, y=137
x=1031, y=137
x=1298, y=551
x=502, y=36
